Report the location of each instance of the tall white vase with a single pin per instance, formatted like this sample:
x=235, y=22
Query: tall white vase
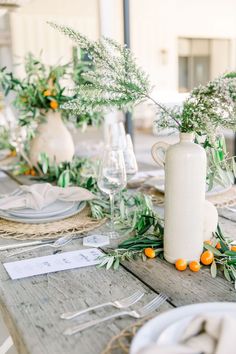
x=54, y=139
x=185, y=179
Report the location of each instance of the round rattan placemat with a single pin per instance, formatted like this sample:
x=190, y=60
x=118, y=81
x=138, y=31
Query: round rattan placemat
x=220, y=200
x=120, y=344
x=79, y=223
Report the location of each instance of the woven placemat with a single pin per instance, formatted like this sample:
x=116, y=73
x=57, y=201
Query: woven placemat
x=120, y=344
x=224, y=199
x=79, y=223
x=220, y=200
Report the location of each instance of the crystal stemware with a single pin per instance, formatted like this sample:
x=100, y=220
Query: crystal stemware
x=112, y=179
x=130, y=159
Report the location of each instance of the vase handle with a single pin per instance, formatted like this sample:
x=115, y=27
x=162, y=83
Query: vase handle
x=155, y=154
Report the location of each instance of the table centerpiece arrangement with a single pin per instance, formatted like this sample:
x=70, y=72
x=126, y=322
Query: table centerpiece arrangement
x=38, y=98
x=117, y=81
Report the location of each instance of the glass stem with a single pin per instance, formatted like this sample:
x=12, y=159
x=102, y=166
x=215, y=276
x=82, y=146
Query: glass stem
x=112, y=209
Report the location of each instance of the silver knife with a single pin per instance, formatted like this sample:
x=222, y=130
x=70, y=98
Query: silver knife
x=24, y=244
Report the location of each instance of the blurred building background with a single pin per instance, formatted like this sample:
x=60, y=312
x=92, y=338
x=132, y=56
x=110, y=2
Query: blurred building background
x=180, y=43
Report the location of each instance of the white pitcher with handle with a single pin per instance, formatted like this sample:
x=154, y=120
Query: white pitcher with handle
x=185, y=180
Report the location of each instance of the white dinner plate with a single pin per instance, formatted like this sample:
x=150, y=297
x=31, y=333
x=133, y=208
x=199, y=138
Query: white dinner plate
x=172, y=334
x=58, y=207
x=159, y=185
x=78, y=207
x=152, y=330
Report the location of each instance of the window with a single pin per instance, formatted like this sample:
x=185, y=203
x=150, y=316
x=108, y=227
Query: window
x=201, y=60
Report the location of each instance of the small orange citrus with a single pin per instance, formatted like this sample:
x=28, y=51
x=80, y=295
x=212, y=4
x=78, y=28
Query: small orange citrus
x=194, y=266
x=181, y=264
x=209, y=242
x=150, y=252
x=218, y=245
x=233, y=248
x=54, y=104
x=47, y=93
x=32, y=172
x=27, y=172
x=13, y=153
x=23, y=99
x=207, y=257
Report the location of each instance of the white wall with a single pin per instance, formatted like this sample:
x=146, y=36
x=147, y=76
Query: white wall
x=30, y=31
x=155, y=28
x=157, y=24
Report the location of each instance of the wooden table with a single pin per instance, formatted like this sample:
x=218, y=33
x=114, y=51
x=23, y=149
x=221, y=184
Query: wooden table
x=31, y=307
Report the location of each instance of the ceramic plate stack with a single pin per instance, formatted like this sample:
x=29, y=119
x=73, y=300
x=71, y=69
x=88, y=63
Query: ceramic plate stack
x=54, y=212
x=167, y=328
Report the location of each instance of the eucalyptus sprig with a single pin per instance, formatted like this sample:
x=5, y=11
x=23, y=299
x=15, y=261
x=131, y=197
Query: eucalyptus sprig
x=224, y=257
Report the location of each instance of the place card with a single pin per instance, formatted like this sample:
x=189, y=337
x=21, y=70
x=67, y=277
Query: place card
x=96, y=240
x=53, y=263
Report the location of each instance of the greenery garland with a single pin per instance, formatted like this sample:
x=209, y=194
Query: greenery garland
x=137, y=221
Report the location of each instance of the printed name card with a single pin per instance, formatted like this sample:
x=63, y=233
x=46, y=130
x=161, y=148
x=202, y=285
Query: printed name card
x=53, y=263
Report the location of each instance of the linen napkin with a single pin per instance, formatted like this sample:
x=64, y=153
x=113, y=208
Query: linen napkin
x=206, y=334
x=39, y=195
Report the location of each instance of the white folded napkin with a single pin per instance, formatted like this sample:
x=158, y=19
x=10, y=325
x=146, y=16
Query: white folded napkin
x=38, y=196
x=206, y=334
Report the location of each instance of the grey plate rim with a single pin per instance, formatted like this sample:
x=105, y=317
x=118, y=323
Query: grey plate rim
x=14, y=212
x=77, y=209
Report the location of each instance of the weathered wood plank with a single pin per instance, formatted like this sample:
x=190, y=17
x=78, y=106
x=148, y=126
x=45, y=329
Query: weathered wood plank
x=32, y=307
x=185, y=287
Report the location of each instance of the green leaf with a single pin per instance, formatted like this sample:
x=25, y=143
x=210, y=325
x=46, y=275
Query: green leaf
x=213, y=269
x=226, y=274
x=60, y=181
x=66, y=178
x=116, y=264
x=215, y=251
x=110, y=262
x=103, y=262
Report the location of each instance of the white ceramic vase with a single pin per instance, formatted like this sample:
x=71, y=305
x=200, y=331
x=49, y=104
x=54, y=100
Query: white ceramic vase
x=185, y=180
x=54, y=139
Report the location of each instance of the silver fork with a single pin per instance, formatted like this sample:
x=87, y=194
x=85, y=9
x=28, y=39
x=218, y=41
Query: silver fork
x=141, y=312
x=60, y=242
x=123, y=303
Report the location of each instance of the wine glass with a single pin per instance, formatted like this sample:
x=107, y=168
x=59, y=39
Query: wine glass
x=112, y=179
x=129, y=158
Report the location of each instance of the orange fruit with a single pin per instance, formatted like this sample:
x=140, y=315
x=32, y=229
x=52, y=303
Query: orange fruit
x=209, y=242
x=54, y=104
x=47, y=93
x=150, y=252
x=194, y=266
x=218, y=246
x=32, y=172
x=27, y=172
x=181, y=264
x=12, y=153
x=233, y=248
x=207, y=257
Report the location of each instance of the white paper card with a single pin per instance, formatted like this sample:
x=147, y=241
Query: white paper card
x=52, y=263
x=96, y=240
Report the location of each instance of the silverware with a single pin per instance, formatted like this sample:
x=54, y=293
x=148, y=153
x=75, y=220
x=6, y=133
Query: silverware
x=119, y=304
x=24, y=244
x=60, y=242
x=141, y=312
